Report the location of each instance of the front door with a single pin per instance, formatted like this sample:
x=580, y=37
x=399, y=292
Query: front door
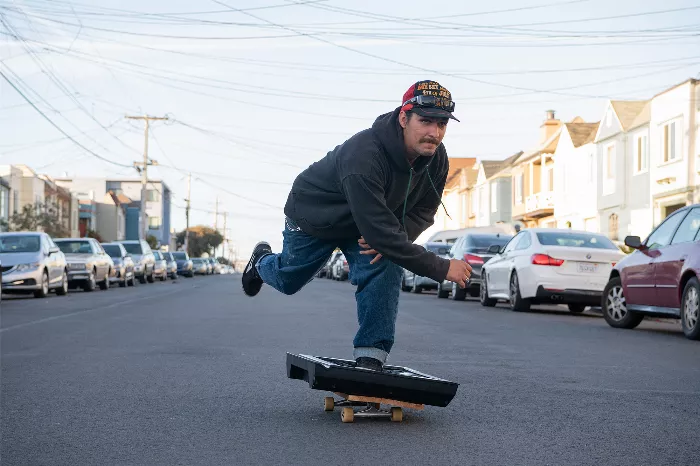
x=668, y=266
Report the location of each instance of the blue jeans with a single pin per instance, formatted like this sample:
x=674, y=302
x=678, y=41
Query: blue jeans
x=378, y=284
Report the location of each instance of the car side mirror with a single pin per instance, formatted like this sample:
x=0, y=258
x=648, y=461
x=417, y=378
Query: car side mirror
x=634, y=242
x=54, y=250
x=494, y=249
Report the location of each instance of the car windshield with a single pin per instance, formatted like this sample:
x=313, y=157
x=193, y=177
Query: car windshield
x=17, y=243
x=132, y=248
x=438, y=249
x=576, y=240
x=167, y=256
x=112, y=249
x=485, y=241
x=157, y=255
x=180, y=256
x=74, y=247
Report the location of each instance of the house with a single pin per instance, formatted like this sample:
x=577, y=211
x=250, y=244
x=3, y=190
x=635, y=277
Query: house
x=622, y=150
x=27, y=187
x=674, y=146
x=60, y=199
x=4, y=202
x=491, y=198
x=13, y=177
x=111, y=215
x=532, y=178
x=575, y=181
x=455, y=197
x=158, y=204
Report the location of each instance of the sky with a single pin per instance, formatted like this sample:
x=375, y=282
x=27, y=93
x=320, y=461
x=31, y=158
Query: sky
x=256, y=91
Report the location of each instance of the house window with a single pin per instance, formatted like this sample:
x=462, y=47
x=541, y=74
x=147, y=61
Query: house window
x=550, y=178
x=670, y=135
x=15, y=201
x=154, y=223
x=612, y=227
x=494, y=197
x=610, y=162
x=519, y=189
x=153, y=195
x=641, y=161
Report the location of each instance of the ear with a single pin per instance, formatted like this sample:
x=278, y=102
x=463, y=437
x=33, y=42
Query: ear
x=403, y=119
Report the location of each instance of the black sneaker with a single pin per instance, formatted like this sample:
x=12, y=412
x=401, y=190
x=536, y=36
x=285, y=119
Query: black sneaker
x=369, y=363
x=251, y=280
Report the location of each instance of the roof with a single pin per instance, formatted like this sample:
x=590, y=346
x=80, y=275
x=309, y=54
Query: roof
x=582, y=133
x=628, y=111
x=692, y=81
x=457, y=164
x=123, y=199
x=491, y=167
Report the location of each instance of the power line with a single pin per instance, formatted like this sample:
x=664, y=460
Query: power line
x=58, y=127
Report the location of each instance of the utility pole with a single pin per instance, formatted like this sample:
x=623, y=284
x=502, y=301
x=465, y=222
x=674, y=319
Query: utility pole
x=187, y=214
x=216, y=219
x=223, y=244
x=143, y=168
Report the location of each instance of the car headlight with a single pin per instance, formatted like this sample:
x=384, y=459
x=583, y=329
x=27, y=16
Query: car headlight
x=27, y=267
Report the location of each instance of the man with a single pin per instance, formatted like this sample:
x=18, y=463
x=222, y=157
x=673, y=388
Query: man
x=372, y=196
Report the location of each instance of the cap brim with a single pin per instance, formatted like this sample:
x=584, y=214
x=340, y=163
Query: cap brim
x=433, y=112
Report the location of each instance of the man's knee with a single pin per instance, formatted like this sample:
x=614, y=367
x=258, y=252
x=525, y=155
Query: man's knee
x=291, y=287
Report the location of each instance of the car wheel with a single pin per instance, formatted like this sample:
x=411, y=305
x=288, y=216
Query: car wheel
x=104, y=284
x=123, y=283
x=484, y=294
x=442, y=293
x=151, y=278
x=44, y=290
x=615, y=309
x=458, y=294
x=142, y=278
x=577, y=308
x=474, y=292
x=132, y=280
x=63, y=289
x=690, y=309
x=517, y=303
x=403, y=284
x=91, y=283
x=414, y=288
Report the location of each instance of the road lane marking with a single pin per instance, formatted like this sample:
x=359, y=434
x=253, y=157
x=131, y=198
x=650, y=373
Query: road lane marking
x=119, y=303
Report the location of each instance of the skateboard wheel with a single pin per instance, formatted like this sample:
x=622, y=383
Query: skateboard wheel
x=329, y=403
x=396, y=414
x=347, y=415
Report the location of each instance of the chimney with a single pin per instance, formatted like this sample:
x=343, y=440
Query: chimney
x=549, y=126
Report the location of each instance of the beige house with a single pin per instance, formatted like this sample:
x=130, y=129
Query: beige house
x=533, y=178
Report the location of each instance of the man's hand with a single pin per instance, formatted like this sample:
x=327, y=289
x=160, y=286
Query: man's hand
x=459, y=272
x=368, y=250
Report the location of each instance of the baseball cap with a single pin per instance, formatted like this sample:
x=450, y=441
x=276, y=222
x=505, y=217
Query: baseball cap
x=428, y=98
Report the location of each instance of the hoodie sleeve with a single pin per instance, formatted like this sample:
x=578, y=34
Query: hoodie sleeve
x=422, y=215
x=382, y=230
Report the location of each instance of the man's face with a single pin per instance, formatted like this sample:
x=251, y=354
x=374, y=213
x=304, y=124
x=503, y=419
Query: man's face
x=422, y=135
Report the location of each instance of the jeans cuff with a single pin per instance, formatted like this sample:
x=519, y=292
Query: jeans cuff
x=370, y=352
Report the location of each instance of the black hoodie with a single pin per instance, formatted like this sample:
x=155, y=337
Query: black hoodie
x=361, y=188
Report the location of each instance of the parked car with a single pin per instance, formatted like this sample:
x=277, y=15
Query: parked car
x=547, y=265
x=216, y=266
x=473, y=248
x=340, y=269
x=171, y=264
x=160, y=268
x=32, y=263
x=123, y=264
x=327, y=269
x=415, y=283
x=88, y=264
x=200, y=266
x=144, y=262
x=185, y=267
x=660, y=278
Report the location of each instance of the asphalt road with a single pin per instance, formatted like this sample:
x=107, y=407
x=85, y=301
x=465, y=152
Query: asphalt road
x=193, y=372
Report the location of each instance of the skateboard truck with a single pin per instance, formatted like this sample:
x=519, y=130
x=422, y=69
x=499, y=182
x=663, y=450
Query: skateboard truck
x=372, y=407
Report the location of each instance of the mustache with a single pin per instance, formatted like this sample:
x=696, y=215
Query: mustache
x=430, y=140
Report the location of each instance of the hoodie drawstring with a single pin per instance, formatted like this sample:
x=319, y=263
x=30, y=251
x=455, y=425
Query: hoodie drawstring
x=408, y=188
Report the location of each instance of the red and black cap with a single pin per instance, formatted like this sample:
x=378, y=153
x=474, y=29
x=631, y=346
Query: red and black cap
x=429, y=99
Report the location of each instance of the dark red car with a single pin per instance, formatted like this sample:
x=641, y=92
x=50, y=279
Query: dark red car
x=660, y=278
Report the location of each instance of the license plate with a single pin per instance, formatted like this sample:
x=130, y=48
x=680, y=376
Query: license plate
x=79, y=277
x=587, y=268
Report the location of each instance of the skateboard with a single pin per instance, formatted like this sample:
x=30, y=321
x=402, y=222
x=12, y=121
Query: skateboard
x=396, y=387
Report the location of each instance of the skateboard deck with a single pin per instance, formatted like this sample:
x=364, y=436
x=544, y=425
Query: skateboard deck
x=396, y=386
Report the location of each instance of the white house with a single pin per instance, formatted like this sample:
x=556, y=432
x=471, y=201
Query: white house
x=492, y=193
x=575, y=182
x=675, y=148
x=622, y=174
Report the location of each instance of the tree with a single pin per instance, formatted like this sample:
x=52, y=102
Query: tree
x=94, y=234
x=37, y=217
x=202, y=239
x=152, y=241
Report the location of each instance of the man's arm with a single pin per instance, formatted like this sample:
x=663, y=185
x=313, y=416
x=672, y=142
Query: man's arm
x=380, y=228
